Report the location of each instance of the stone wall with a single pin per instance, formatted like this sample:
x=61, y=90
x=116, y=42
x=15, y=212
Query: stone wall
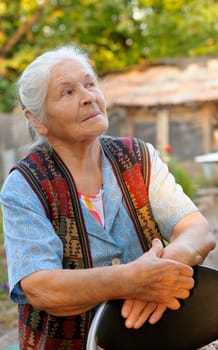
x=187, y=128
x=14, y=141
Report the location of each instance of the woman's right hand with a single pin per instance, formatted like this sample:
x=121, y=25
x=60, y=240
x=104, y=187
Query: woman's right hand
x=152, y=279
x=137, y=312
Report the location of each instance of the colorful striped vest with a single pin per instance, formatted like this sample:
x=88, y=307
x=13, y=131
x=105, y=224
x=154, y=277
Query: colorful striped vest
x=55, y=187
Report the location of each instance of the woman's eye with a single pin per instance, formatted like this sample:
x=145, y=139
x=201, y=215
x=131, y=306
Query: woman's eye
x=90, y=84
x=67, y=92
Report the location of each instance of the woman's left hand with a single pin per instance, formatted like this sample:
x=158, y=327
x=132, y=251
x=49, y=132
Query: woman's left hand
x=137, y=312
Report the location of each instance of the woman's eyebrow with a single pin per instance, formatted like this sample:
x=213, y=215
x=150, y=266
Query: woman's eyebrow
x=88, y=75
x=68, y=81
x=63, y=84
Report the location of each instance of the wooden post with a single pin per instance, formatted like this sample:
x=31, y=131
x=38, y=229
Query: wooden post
x=207, y=113
x=162, y=129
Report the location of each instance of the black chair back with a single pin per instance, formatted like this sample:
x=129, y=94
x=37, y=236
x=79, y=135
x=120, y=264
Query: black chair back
x=194, y=325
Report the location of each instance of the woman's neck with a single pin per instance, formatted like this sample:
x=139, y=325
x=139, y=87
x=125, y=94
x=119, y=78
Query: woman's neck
x=84, y=163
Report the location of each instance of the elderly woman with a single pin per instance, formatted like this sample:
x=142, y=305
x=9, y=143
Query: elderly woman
x=85, y=214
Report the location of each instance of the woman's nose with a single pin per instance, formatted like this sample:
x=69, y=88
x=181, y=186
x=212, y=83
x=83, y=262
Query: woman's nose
x=86, y=97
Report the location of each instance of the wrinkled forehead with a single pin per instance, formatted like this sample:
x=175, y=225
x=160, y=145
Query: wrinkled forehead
x=73, y=67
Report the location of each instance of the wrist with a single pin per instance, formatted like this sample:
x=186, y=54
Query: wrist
x=182, y=253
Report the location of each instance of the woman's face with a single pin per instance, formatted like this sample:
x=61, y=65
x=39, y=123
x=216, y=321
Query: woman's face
x=74, y=106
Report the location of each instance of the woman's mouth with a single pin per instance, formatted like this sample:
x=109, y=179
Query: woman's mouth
x=91, y=116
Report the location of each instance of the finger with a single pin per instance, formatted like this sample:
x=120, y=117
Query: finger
x=157, y=248
x=182, y=287
x=173, y=304
x=145, y=314
x=186, y=270
x=187, y=282
x=183, y=293
x=127, y=307
x=157, y=314
x=137, y=308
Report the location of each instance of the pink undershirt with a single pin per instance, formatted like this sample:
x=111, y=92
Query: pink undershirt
x=94, y=204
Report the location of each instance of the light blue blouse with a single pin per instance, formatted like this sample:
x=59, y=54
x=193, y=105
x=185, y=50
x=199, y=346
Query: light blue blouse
x=32, y=245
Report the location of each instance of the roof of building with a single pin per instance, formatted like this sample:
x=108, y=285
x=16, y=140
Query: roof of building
x=163, y=84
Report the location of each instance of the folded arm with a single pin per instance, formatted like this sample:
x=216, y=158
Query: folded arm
x=148, y=278
x=191, y=240
x=190, y=243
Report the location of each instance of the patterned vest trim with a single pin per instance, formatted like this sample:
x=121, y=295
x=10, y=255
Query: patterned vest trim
x=55, y=187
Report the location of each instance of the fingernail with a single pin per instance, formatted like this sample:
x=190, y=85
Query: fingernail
x=128, y=324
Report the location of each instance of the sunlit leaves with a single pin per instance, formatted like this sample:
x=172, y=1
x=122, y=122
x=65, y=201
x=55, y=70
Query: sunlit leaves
x=116, y=33
x=3, y=8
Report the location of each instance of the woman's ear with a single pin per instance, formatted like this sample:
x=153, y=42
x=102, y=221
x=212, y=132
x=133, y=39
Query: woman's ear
x=36, y=123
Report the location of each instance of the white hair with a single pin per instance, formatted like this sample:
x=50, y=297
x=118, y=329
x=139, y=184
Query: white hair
x=33, y=83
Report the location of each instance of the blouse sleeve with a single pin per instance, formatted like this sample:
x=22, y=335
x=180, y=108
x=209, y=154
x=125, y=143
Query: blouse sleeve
x=31, y=243
x=169, y=203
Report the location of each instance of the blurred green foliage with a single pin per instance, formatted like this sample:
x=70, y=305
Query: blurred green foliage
x=181, y=176
x=184, y=177
x=7, y=94
x=116, y=34
x=190, y=183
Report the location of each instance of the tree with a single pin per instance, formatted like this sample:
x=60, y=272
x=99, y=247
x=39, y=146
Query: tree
x=106, y=29
x=116, y=34
x=182, y=28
